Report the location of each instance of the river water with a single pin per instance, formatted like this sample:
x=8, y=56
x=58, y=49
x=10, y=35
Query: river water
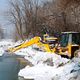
x=9, y=67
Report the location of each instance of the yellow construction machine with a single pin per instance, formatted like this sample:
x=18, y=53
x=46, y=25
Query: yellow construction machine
x=65, y=45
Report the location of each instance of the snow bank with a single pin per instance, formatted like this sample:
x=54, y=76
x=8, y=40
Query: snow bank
x=32, y=72
x=36, y=57
x=5, y=44
x=39, y=72
x=69, y=71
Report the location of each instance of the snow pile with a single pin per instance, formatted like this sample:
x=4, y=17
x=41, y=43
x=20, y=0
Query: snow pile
x=69, y=71
x=37, y=72
x=36, y=57
x=4, y=45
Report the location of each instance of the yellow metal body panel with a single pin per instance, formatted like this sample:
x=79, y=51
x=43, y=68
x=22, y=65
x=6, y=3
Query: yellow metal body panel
x=69, y=49
x=43, y=46
x=26, y=44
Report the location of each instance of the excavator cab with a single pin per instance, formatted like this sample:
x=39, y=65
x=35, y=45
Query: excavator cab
x=69, y=42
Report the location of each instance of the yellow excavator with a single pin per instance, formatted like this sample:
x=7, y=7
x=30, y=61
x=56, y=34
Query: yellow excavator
x=66, y=45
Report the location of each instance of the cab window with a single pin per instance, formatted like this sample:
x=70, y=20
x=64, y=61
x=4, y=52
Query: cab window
x=64, y=40
x=76, y=38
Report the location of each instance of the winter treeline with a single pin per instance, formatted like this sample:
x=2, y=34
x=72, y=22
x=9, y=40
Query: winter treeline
x=1, y=32
x=35, y=17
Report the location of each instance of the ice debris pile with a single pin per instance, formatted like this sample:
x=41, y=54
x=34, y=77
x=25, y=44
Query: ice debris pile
x=46, y=66
x=69, y=71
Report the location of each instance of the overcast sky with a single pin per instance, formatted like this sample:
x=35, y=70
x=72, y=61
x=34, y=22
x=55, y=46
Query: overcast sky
x=3, y=8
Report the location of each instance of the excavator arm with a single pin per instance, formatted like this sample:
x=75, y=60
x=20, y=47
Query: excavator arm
x=34, y=40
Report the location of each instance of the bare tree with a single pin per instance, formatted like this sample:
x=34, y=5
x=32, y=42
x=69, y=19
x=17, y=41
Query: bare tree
x=33, y=18
x=16, y=17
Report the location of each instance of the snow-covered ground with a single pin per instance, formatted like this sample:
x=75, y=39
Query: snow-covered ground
x=46, y=66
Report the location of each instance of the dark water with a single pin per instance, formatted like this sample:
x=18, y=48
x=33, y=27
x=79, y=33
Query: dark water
x=9, y=67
